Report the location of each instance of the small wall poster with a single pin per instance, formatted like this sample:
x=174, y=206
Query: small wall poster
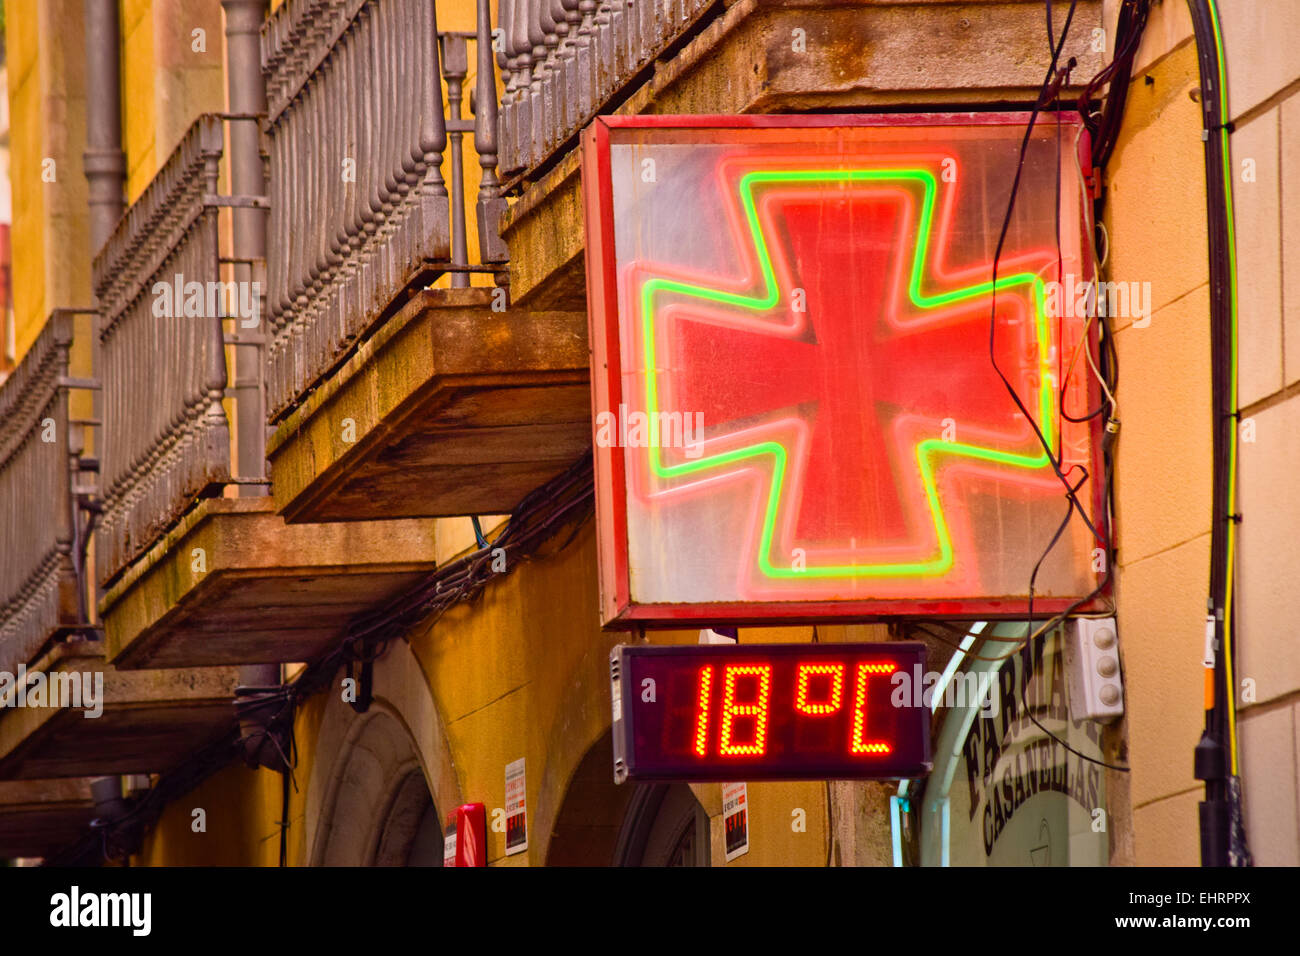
x=735, y=818
x=516, y=809
x=449, y=842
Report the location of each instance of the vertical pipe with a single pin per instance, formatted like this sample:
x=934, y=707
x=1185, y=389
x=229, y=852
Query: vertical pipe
x=455, y=66
x=246, y=92
x=105, y=165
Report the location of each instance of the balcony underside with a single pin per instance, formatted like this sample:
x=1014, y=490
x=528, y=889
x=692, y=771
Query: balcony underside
x=151, y=720
x=49, y=614
x=40, y=817
x=795, y=56
x=453, y=408
x=264, y=592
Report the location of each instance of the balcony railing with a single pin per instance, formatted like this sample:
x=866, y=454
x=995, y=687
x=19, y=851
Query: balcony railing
x=564, y=59
x=161, y=349
x=360, y=211
x=38, y=582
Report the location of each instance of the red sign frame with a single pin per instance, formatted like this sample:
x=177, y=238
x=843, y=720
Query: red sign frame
x=618, y=607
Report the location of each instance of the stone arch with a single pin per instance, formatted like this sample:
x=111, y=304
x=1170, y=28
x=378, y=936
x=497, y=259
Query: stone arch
x=587, y=823
x=376, y=777
x=600, y=823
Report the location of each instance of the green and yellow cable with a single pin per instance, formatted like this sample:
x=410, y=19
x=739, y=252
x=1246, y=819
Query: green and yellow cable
x=1231, y=507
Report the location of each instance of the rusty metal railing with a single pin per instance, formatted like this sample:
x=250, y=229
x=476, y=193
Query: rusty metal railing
x=360, y=213
x=163, y=307
x=38, y=468
x=563, y=59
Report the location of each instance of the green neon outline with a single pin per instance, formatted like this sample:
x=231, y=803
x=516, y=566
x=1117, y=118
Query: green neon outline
x=926, y=451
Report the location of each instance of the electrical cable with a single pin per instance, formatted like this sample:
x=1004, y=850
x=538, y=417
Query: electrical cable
x=1130, y=25
x=1101, y=763
x=1056, y=46
x=1223, y=838
x=1053, y=78
x=1106, y=338
x=1052, y=82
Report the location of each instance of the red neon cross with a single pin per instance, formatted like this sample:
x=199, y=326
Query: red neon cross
x=866, y=370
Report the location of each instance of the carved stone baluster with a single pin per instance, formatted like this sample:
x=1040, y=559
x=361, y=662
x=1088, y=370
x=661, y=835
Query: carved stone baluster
x=537, y=112
x=567, y=100
x=585, y=57
x=491, y=204
x=523, y=47
x=603, y=67
x=551, y=17
x=455, y=67
x=508, y=61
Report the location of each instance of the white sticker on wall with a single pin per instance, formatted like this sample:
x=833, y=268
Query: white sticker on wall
x=735, y=819
x=516, y=809
x=449, y=844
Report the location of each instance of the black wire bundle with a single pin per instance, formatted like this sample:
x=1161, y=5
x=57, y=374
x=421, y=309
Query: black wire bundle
x=1222, y=834
x=539, y=515
x=1130, y=24
x=1132, y=21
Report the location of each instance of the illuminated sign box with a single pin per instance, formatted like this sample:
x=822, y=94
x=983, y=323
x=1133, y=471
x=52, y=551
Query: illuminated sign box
x=797, y=412
x=769, y=712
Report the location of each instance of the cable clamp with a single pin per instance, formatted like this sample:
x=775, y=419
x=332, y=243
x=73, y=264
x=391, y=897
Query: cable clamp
x=1229, y=127
x=1092, y=182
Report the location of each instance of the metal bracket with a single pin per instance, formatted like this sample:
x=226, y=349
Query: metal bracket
x=68, y=381
x=238, y=202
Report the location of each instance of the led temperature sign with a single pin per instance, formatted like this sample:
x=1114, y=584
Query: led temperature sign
x=768, y=712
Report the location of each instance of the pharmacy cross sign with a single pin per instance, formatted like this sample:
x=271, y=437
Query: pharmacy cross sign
x=840, y=366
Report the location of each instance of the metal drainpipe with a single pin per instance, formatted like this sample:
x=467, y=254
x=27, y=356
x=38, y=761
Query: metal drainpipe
x=246, y=93
x=105, y=168
x=104, y=163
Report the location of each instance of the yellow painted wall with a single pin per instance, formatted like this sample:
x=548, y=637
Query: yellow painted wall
x=1156, y=224
x=242, y=809
x=138, y=79
x=47, y=138
x=26, y=145
x=170, y=74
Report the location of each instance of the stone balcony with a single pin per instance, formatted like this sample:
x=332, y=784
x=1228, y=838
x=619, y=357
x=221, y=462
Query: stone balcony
x=150, y=721
x=453, y=408
x=233, y=584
